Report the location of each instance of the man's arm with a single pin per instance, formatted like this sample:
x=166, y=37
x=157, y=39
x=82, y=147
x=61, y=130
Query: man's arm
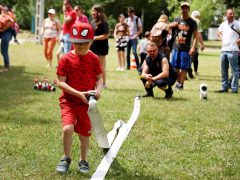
x=219, y=34
x=68, y=89
x=195, y=36
x=145, y=74
x=68, y=19
x=165, y=70
x=200, y=39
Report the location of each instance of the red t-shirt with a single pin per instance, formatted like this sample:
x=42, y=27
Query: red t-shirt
x=81, y=73
x=67, y=27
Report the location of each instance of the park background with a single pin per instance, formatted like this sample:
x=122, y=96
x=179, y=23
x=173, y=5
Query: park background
x=181, y=138
x=149, y=10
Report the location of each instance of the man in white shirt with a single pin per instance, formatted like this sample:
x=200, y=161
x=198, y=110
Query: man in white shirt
x=135, y=27
x=229, y=31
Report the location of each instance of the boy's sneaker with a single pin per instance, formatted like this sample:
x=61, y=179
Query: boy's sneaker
x=83, y=166
x=64, y=164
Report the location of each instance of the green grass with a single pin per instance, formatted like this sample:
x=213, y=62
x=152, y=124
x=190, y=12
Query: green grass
x=182, y=138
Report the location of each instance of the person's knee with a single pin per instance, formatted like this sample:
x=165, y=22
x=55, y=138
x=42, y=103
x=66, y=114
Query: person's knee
x=68, y=129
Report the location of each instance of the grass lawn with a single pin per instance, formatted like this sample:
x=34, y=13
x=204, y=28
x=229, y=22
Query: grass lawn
x=181, y=138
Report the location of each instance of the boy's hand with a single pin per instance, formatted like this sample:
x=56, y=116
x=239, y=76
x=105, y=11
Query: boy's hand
x=83, y=96
x=96, y=93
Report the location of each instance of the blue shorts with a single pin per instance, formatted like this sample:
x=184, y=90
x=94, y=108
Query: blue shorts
x=181, y=59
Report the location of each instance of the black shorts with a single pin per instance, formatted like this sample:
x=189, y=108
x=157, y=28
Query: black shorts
x=99, y=48
x=120, y=48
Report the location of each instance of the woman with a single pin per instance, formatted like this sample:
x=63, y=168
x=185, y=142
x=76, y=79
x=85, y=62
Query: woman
x=100, y=43
x=121, y=33
x=80, y=15
x=5, y=35
x=50, y=30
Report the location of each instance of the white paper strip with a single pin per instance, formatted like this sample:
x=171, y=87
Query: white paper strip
x=124, y=130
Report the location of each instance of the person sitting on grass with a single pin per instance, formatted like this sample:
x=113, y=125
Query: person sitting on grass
x=157, y=72
x=79, y=73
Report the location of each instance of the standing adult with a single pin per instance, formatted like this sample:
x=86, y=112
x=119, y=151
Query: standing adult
x=50, y=30
x=194, y=58
x=6, y=35
x=121, y=33
x=183, y=28
x=160, y=30
x=69, y=19
x=100, y=43
x=81, y=17
x=135, y=27
x=227, y=31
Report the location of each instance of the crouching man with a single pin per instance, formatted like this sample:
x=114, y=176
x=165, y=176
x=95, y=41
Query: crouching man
x=157, y=71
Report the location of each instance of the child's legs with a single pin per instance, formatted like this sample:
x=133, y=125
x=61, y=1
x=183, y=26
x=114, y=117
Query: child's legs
x=123, y=59
x=67, y=133
x=119, y=58
x=84, y=146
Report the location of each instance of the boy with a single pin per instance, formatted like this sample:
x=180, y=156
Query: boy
x=79, y=73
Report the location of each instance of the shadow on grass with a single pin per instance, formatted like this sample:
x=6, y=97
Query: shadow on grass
x=211, y=54
x=16, y=85
x=208, y=78
x=125, y=90
x=174, y=98
x=117, y=171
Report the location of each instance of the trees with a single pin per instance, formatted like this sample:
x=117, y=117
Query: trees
x=149, y=10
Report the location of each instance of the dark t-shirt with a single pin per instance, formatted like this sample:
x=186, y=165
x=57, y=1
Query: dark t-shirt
x=184, y=33
x=100, y=47
x=155, y=65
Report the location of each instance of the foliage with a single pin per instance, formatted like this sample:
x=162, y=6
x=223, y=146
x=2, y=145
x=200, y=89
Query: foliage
x=212, y=11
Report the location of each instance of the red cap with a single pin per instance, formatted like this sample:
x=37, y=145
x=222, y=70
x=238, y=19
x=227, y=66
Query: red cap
x=81, y=33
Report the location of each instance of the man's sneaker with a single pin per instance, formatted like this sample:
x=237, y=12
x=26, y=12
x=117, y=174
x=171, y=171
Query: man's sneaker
x=179, y=86
x=16, y=41
x=169, y=93
x=4, y=70
x=83, y=166
x=64, y=164
x=190, y=74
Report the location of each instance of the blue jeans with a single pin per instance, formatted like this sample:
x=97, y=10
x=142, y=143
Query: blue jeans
x=66, y=43
x=6, y=37
x=132, y=43
x=229, y=57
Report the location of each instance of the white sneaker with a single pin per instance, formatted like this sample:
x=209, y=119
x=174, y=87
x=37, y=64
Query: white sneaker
x=104, y=86
x=118, y=69
x=4, y=70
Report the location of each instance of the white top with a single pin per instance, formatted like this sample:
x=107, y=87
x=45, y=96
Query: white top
x=143, y=46
x=132, y=24
x=50, y=28
x=229, y=36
